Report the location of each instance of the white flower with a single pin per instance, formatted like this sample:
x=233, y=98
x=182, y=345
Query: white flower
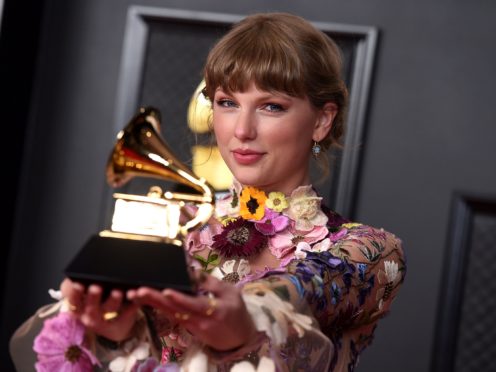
x=56, y=295
x=230, y=272
x=304, y=209
x=265, y=365
x=282, y=315
x=391, y=269
x=322, y=246
x=228, y=205
x=126, y=363
x=388, y=278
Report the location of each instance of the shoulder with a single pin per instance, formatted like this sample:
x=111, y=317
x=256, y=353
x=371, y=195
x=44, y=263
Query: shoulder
x=360, y=242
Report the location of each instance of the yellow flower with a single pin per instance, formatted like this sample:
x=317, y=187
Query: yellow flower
x=351, y=225
x=276, y=201
x=252, y=203
x=226, y=219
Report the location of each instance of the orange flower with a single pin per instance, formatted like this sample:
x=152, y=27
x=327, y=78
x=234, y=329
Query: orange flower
x=252, y=203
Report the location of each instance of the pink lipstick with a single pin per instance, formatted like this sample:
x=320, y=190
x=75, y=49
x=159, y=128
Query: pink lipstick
x=246, y=157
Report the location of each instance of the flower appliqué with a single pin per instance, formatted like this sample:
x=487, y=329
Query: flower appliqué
x=304, y=209
x=252, y=203
x=232, y=273
x=277, y=201
x=239, y=239
x=276, y=221
x=60, y=346
x=388, y=278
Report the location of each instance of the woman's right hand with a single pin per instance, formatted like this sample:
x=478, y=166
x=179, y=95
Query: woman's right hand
x=88, y=306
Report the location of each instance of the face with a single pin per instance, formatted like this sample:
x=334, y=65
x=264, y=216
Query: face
x=265, y=138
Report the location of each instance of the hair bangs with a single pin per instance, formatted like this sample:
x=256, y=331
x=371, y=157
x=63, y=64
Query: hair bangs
x=264, y=61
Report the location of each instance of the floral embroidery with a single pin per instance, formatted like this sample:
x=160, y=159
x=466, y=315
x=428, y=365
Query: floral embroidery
x=202, y=238
x=60, y=346
x=328, y=266
x=231, y=273
x=286, y=221
x=351, y=225
x=271, y=223
x=152, y=365
x=276, y=201
x=285, y=243
x=389, y=278
x=170, y=354
x=126, y=363
x=252, y=203
x=239, y=239
x=304, y=208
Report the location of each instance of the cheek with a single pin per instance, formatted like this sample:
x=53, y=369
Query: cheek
x=222, y=138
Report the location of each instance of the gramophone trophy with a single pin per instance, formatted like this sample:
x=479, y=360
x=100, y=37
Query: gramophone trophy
x=143, y=247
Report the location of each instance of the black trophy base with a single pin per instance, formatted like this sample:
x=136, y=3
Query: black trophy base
x=126, y=263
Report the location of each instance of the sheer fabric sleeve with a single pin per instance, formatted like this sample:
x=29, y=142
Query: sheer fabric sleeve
x=321, y=311
x=110, y=356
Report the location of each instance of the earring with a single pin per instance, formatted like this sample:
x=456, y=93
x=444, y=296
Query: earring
x=316, y=149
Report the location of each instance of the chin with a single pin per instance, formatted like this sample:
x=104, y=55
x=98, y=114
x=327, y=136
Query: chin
x=246, y=179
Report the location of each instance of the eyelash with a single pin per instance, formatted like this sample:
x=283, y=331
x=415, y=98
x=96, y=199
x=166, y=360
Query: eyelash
x=275, y=107
x=270, y=107
x=224, y=102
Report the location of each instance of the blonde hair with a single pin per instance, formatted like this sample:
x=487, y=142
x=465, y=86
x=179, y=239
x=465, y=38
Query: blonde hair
x=280, y=52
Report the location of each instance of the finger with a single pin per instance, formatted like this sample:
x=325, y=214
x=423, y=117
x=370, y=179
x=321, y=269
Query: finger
x=93, y=300
x=151, y=297
x=113, y=302
x=197, y=305
x=74, y=294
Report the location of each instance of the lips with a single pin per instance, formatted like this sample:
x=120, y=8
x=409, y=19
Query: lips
x=246, y=156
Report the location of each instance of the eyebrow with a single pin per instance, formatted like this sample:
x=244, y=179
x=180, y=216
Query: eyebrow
x=263, y=96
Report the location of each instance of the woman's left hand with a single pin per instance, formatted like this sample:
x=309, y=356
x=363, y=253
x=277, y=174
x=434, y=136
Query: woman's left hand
x=220, y=319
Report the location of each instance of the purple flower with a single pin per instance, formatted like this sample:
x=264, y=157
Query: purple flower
x=271, y=222
x=334, y=220
x=334, y=237
x=152, y=365
x=60, y=347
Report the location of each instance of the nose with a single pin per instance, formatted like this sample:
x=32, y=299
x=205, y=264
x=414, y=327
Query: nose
x=245, y=126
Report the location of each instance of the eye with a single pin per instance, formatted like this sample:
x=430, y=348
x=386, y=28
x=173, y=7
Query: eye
x=274, y=107
x=224, y=102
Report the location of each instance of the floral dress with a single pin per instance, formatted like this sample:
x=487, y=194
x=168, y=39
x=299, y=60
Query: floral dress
x=314, y=283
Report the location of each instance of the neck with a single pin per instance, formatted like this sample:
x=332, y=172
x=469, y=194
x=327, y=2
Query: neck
x=285, y=187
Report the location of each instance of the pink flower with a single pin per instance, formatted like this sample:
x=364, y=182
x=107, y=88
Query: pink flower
x=286, y=241
x=271, y=222
x=170, y=354
x=60, y=347
x=198, y=240
x=334, y=237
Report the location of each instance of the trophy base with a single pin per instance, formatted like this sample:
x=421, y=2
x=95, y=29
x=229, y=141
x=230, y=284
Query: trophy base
x=128, y=263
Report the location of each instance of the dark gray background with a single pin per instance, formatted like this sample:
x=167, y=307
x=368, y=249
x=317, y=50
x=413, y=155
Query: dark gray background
x=430, y=131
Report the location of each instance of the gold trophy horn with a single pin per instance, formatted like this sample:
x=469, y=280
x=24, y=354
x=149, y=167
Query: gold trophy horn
x=140, y=151
x=143, y=245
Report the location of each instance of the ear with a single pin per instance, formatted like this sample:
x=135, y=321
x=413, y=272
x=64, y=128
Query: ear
x=324, y=121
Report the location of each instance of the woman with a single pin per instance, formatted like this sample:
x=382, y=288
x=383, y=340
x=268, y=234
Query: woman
x=286, y=283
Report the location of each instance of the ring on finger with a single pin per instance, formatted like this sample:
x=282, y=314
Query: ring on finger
x=110, y=315
x=212, y=305
x=181, y=316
